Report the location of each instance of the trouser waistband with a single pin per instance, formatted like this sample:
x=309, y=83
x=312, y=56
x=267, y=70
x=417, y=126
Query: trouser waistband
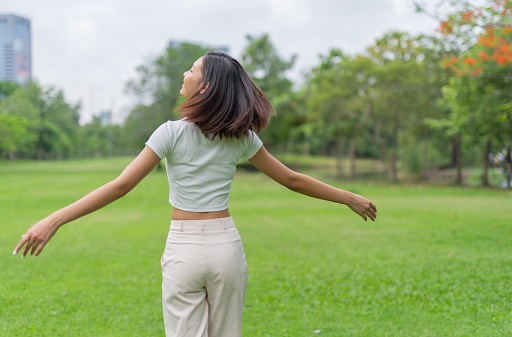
x=202, y=225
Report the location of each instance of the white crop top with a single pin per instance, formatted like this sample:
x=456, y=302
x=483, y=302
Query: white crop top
x=200, y=171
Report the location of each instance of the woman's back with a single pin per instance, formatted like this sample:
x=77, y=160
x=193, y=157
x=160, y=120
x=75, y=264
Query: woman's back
x=199, y=169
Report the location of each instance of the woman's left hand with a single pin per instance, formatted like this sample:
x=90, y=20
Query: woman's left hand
x=362, y=206
x=36, y=238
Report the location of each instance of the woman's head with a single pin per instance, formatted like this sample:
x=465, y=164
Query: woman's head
x=225, y=102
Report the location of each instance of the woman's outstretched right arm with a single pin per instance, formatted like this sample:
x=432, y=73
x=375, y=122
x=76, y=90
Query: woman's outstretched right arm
x=39, y=234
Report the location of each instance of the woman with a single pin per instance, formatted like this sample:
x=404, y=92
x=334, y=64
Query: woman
x=203, y=265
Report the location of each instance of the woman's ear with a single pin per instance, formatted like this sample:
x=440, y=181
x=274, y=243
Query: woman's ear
x=205, y=88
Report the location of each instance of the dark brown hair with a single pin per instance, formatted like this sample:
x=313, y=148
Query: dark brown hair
x=228, y=103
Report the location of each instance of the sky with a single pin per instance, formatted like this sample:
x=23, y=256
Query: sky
x=91, y=48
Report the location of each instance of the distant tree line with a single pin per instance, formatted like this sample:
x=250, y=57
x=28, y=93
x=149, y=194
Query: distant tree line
x=417, y=103
x=38, y=123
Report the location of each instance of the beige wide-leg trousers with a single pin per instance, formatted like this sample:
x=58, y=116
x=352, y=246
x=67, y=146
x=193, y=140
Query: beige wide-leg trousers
x=204, y=279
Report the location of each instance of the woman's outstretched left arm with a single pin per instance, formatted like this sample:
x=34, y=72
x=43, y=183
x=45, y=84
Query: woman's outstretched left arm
x=312, y=187
x=40, y=233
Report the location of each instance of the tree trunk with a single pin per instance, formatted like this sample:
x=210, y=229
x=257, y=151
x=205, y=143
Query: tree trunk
x=352, y=154
x=339, y=158
x=424, y=164
x=353, y=141
x=455, y=152
x=508, y=167
x=485, y=174
x=384, y=150
x=393, y=170
x=457, y=148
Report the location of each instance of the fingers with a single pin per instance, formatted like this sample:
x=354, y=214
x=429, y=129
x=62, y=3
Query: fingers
x=22, y=242
x=36, y=238
x=364, y=208
x=370, y=212
x=30, y=244
x=40, y=249
x=34, y=247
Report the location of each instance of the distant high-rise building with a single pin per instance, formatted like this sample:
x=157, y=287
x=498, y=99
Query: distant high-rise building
x=15, y=49
x=105, y=117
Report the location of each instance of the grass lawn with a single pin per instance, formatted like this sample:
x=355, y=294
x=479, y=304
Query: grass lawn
x=438, y=262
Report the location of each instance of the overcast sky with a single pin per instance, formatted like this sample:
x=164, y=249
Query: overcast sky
x=90, y=48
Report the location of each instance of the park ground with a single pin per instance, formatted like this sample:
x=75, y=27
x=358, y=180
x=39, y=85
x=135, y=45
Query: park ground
x=437, y=262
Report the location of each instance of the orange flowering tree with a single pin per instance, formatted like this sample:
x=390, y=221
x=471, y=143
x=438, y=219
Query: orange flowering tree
x=478, y=31
x=478, y=36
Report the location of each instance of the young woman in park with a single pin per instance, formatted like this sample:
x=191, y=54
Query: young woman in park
x=203, y=266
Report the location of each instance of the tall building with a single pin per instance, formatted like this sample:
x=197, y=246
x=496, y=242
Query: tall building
x=15, y=48
x=105, y=117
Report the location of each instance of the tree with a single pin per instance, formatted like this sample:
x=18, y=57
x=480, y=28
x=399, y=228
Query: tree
x=14, y=135
x=486, y=23
x=400, y=84
x=431, y=141
x=340, y=100
x=268, y=70
x=57, y=124
x=483, y=70
x=156, y=90
x=7, y=88
x=49, y=121
x=18, y=116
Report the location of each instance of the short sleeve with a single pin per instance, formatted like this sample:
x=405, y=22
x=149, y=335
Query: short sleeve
x=161, y=140
x=252, y=145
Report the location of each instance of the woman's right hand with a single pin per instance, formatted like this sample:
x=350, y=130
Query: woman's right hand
x=36, y=237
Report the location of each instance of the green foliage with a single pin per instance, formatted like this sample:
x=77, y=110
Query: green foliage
x=267, y=68
x=7, y=88
x=97, y=140
x=340, y=99
x=435, y=263
x=478, y=39
x=14, y=135
x=45, y=121
x=401, y=82
x=156, y=90
x=478, y=111
x=269, y=71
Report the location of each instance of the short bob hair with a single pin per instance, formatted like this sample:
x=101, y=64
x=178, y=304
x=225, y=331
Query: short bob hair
x=228, y=103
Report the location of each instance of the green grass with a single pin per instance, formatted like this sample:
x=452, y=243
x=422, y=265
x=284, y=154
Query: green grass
x=438, y=262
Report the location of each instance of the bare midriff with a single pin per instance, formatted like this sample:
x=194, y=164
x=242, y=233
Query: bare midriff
x=179, y=214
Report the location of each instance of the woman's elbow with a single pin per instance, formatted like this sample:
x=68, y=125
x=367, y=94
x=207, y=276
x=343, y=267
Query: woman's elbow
x=120, y=188
x=295, y=182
